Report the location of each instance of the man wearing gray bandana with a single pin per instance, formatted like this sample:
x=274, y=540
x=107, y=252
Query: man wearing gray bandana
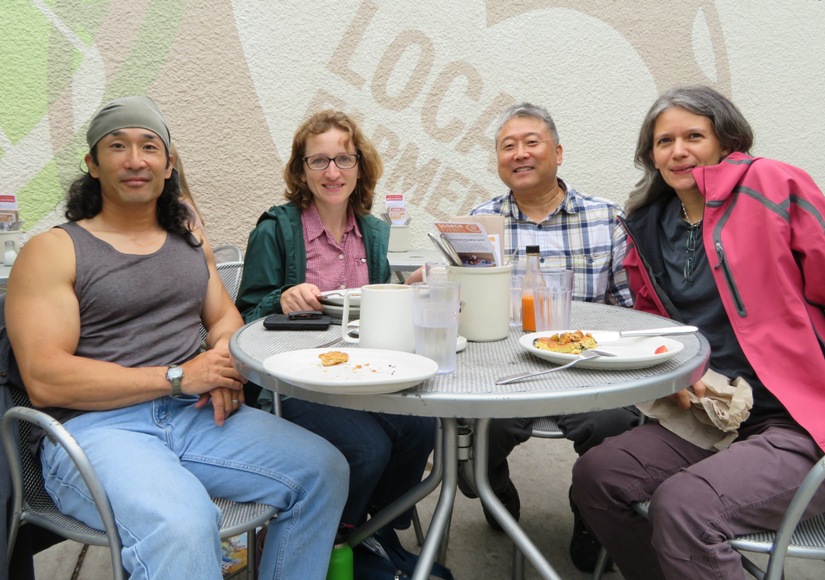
x=103, y=316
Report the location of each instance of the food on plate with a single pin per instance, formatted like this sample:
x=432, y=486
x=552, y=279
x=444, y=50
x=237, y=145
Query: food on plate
x=333, y=357
x=660, y=350
x=566, y=342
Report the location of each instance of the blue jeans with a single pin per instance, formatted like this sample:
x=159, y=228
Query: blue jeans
x=161, y=462
x=387, y=454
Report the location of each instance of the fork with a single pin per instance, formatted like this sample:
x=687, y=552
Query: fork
x=588, y=354
x=335, y=340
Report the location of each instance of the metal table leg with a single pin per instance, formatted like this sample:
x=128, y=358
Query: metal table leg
x=444, y=509
x=497, y=509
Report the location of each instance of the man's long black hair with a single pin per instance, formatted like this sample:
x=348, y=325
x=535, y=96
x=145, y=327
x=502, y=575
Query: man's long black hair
x=84, y=200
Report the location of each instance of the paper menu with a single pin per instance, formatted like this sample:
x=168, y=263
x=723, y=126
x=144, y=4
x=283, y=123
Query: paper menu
x=396, y=209
x=9, y=218
x=493, y=224
x=471, y=242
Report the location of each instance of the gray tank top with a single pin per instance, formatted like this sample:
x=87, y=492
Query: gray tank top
x=137, y=310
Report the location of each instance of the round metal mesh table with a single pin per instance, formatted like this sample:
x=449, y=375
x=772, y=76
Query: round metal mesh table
x=471, y=390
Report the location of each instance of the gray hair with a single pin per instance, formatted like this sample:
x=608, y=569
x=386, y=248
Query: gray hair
x=528, y=110
x=731, y=129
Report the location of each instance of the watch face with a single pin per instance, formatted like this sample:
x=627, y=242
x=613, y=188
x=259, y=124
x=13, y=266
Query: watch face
x=174, y=373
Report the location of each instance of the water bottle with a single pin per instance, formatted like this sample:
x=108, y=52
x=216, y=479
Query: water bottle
x=340, y=563
x=10, y=253
x=532, y=280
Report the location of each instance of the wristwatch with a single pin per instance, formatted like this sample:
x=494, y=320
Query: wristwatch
x=175, y=375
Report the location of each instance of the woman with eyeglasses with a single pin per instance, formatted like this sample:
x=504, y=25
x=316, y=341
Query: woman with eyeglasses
x=324, y=238
x=736, y=246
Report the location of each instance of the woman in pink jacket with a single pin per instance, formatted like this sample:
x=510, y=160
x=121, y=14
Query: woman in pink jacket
x=736, y=246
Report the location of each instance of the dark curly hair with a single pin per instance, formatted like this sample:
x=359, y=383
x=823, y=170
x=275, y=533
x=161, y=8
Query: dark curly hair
x=84, y=200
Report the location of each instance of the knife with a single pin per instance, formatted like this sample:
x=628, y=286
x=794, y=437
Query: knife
x=608, y=336
x=439, y=245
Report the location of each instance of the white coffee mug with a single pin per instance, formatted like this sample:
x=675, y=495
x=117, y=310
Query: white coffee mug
x=386, y=319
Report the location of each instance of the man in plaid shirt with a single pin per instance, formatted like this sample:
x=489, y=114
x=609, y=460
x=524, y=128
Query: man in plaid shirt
x=575, y=232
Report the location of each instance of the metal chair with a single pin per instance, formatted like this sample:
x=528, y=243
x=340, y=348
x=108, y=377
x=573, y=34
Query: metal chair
x=230, y=273
x=793, y=539
x=31, y=503
x=546, y=428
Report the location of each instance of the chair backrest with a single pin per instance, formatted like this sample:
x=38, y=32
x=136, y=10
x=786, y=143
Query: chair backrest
x=230, y=273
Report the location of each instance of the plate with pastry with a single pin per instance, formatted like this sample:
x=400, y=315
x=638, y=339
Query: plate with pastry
x=356, y=371
x=562, y=347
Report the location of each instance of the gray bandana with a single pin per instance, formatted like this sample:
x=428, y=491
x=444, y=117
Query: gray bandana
x=140, y=112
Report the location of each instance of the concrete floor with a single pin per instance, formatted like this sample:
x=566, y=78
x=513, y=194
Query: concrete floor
x=475, y=550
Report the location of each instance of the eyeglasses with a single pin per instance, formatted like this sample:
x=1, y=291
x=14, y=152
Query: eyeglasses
x=342, y=161
x=690, y=257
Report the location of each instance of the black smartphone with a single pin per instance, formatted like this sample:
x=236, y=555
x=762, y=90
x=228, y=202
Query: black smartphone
x=302, y=320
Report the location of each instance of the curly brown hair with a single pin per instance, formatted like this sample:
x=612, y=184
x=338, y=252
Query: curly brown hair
x=370, y=167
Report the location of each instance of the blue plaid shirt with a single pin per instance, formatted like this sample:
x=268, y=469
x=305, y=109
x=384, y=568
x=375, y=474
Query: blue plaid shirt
x=582, y=235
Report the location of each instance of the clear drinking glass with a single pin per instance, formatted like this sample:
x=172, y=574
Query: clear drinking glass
x=435, y=273
x=553, y=303
x=435, y=315
x=515, y=298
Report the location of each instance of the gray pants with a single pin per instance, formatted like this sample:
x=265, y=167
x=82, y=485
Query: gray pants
x=699, y=499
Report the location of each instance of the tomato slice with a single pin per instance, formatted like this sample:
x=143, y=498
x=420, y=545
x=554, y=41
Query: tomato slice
x=661, y=349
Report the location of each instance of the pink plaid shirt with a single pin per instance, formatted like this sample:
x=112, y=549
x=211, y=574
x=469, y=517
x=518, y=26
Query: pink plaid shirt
x=330, y=265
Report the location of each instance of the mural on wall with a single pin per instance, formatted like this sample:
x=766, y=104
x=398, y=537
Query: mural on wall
x=55, y=79
x=407, y=79
x=426, y=80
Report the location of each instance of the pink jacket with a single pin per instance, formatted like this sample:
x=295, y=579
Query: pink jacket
x=764, y=235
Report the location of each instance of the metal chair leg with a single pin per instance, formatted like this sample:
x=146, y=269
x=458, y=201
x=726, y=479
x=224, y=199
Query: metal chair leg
x=601, y=564
x=518, y=563
x=419, y=533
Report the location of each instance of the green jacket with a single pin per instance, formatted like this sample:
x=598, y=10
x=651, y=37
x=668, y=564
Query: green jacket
x=276, y=259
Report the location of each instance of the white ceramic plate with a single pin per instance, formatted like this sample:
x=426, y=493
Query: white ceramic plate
x=368, y=371
x=336, y=297
x=338, y=311
x=631, y=353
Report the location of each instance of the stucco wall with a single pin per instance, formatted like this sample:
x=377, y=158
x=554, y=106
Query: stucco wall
x=426, y=79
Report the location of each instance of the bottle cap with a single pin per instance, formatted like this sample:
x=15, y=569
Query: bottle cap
x=533, y=250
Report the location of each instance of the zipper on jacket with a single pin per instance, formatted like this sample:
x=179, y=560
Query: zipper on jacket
x=660, y=294
x=734, y=292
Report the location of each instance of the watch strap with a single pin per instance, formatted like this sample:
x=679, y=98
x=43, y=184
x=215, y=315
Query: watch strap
x=175, y=378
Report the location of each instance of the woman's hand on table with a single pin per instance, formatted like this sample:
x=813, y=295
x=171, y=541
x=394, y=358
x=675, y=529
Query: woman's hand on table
x=682, y=398
x=301, y=297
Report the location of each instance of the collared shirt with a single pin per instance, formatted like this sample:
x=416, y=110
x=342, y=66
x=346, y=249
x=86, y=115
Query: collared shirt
x=330, y=265
x=583, y=235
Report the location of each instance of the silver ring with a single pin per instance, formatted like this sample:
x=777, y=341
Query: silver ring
x=236, y=401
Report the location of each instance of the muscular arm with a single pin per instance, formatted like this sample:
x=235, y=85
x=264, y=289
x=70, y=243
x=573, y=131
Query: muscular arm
x=220, y=316
x=43, y=321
